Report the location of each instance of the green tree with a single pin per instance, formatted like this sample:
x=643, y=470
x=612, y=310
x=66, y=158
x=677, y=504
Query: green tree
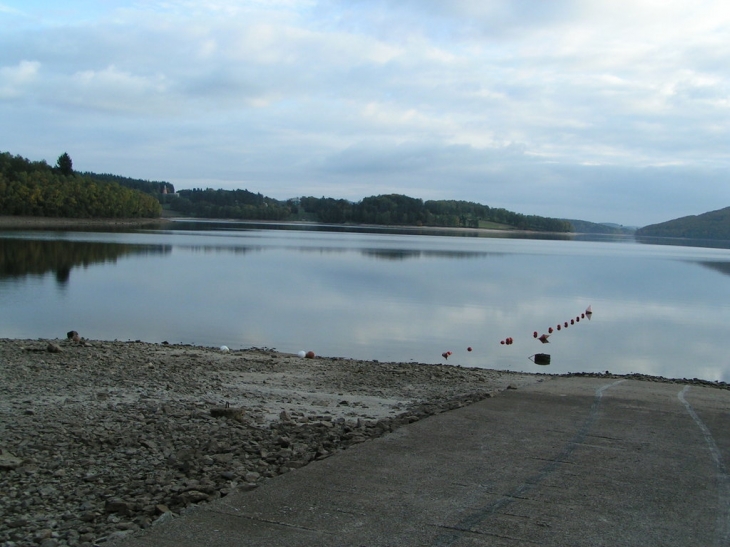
x=65, y=165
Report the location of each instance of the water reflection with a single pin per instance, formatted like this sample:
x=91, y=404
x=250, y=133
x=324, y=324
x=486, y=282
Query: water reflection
x=390, y=297
x=237, y=226
x=404, y=254
x=722, y=267
x=684, y=242
x=23, y=257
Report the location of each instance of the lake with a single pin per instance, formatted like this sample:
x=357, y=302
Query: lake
x=378, y=294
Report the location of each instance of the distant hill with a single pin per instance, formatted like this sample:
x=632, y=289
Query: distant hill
x=712, y=225
x=585, y=227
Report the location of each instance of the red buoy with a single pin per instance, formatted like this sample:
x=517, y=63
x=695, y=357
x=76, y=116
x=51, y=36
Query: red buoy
x=501, y=342
x=468, y=349
x=566, y=324
x=534, y=334
x=445, y=355
x=558, y=327
x=550, y=330
x=309, y=355
x=572, y=321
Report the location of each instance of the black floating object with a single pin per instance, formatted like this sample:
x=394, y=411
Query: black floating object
x=540, y=359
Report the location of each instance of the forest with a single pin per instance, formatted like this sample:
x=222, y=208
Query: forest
x=38, y=189
x=238, y=204
x=34, y=188
x=404, y=210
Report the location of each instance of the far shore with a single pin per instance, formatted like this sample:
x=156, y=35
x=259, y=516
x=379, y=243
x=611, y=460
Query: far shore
x=9, y=222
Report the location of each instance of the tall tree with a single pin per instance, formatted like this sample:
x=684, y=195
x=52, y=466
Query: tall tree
x=65, y=165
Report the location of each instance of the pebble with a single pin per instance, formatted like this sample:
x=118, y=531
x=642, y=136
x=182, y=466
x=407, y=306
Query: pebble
x=103, y=439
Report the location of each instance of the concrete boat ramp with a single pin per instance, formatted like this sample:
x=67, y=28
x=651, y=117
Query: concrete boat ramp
x=567, y=461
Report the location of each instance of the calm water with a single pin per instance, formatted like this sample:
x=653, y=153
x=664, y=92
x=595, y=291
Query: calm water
x=382, y=295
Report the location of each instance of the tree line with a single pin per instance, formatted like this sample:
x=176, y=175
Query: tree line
x=238, y=204
x=390, y=209
x=37, y=189
x=34, y=188
x=404, y=210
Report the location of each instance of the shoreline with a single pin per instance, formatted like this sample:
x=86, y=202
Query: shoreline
x=31, y=223
x=9, y=222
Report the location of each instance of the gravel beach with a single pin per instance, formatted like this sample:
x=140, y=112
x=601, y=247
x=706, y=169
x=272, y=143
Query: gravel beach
x=99, y=439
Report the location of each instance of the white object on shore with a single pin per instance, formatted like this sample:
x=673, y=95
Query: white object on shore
x=302, y=353
x=225, y=349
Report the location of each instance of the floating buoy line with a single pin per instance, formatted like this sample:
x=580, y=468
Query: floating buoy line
x=539, y=358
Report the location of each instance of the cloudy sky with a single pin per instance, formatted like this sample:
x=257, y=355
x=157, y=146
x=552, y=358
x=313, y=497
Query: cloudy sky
x=601, y=110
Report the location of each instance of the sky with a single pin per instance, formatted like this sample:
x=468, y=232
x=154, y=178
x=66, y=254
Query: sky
x=601, y=110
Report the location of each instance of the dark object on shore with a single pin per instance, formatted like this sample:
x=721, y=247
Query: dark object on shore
x=540, y=358
x=70, y=334
x=309, y=355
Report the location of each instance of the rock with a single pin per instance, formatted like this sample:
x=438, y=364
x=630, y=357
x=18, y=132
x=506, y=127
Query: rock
x=227, y=412
x=223, y=458
x=251, y=476
x=53, y=348
x=8, y=461
x=192, y=496
x=114, y=446
x=116, y=505
x=164, y=517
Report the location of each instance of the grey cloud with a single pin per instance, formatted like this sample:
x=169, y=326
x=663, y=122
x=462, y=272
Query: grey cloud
x=535, y=106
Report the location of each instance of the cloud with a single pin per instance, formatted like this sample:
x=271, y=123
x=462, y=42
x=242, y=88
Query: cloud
x=15, y=79
x=556, y=108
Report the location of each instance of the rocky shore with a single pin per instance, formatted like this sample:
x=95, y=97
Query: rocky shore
x=100, y=439
x=50, y=223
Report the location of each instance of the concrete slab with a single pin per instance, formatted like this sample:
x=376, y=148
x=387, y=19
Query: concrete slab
x=568, y=461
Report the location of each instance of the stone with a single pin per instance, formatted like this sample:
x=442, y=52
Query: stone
x=116, y=505
x=251, y=476
x=53, y=348
x=151, y=447
x=227, y=412
x=192, y=496
x=8, y=461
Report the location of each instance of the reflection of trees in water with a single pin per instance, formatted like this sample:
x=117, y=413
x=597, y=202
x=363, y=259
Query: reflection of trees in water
x=404, y=254
x=22, y=257
x=722, y=267
x=688, y=242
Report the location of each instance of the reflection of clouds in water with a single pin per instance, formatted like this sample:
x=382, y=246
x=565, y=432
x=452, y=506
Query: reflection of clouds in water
x=337, y=296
